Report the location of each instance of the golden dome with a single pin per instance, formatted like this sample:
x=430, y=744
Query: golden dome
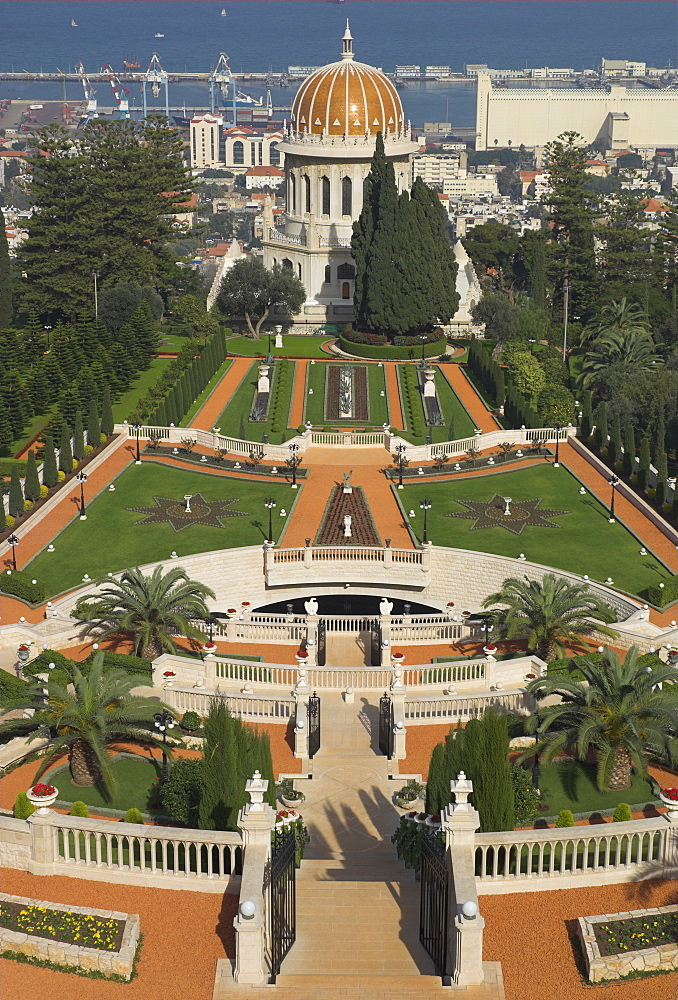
x=347, y=98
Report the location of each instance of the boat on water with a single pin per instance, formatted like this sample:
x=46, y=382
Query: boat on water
x=158, y=34
x=131, y=62
x=223, y=12
x=74, y=23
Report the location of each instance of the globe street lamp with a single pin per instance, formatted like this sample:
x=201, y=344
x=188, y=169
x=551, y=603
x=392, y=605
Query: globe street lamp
x=293, y=461
x=556, y=430
x=137, y=428
x=13, y=541
x=425, y=506
x=402, y=462
x=82, y=479
x=614, y=482
x=423, y=338
x=163, y=721
x=270, y=504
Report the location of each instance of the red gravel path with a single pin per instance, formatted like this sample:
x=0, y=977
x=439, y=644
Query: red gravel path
x=217, y=402
x=395, y=410
x=298, y=394
x=478, y=412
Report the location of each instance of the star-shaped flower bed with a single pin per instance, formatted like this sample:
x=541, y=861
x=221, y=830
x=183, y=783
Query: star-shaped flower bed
x=171, y=511
x=522, y=514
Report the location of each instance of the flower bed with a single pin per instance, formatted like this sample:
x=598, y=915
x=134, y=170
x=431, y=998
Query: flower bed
x=75, y=936
x=619, y=944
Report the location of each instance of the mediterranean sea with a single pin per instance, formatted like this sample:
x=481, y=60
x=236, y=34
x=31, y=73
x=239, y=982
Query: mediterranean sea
x=261, y=34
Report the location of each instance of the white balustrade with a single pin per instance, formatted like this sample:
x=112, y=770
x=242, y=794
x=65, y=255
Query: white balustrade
x=458, y=708
x=254, y=707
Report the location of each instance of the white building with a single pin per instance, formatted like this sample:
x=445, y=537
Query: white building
x=205, y=140
x=257, y=178
x=245, y=147
x=621, y=117
x=436, y=170
x=328, y=148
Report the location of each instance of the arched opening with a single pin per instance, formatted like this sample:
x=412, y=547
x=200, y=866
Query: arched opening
x=287, y=263
x=328, y=273
x=307, y=192
x=325, y=190
x=293, y=192
x=346, y=196
x=345, y=271
x=238, y=152
x=346, y=290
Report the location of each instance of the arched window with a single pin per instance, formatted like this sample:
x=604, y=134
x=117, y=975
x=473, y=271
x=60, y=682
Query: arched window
x=328, y=273
x=346, y=290
x=238, y=152
x=346, y=196
x=325, y=187
x=293, y=192
x=287, y=263
x=345, y=271
x=274, y=154
x=307, y=192
x=299, y=271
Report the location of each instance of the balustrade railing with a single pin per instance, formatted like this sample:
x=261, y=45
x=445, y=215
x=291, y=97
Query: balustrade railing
x=251, y=707
x=259, y=673
x=340, y=678
x=455, y=708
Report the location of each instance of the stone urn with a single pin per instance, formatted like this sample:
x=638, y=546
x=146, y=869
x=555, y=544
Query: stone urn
x=669, y=798
x=42, y=796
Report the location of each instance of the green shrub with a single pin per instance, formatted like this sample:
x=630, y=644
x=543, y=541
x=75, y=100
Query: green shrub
x=9, y=521
x=44, y=490
x=180, y=795
x=659, y=596
x=190, y=721
x=392, y=353
x=622, y=813
x=122, y=661
x=22, y=807
x=20, y=584
x=79, y=809
x=301, y=429
x=525, y=796
x=12, y=688
x=28, y=505
x=133, y=816
x=61, y=476
x=565, y=818
x=89, y=450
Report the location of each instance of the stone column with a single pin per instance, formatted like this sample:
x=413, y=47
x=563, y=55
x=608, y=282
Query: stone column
x=41, y=861
x=385, y=644
x=256, y=821
x=312, y=640
x=669, y=855
x=300, y=727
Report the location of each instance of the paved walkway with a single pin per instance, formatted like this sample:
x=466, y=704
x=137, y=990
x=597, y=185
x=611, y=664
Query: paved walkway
x=298, y=394
x=395, y=410
x=208, y=414
x=477, y=410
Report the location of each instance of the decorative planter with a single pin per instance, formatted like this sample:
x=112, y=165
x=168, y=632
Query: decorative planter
x=397, y=658
x=301, y=656
x=409, y=805
x=44, y=801
x=670, y=803
x=168, y=677
x=672, y=657
x=232, y=612
x=490, y=650
x=210, y=647
x=292, y=803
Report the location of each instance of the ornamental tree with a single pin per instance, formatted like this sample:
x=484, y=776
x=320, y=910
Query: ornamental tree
x=250, y=290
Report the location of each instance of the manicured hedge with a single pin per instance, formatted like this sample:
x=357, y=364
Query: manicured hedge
x=7, y=463
x=63, y=667
x=11, y=687
x=391, y=352
x=20, y=584
x=568, y=666
x=659, y=596
x=412, y=400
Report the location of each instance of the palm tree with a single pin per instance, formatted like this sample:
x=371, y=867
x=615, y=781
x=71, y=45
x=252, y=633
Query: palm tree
x=626, y=713
x=84, y=719
x=618, y=318
x=153, y=608
x=637, y=351
x=553, y=614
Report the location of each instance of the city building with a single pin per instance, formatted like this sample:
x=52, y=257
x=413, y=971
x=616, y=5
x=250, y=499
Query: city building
x=620, y=117
x=262, y=177
x=205, y=140
x=437, y=170
x=245, y=147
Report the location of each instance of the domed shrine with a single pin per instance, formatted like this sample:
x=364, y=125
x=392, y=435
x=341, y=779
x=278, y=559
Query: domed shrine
x=328, y=144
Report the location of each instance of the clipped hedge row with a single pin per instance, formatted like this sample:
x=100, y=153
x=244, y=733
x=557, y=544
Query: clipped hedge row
x=412, y=401
x=659, y=596
x=62, y=671
x=391, y=352
x=568, y=666
x=276, y=415
x=23, y=585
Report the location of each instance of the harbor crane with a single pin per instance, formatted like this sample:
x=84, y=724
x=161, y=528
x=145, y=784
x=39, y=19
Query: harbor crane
x=121, y=93
x=220, y=77
x=157, y=77
x=89, y=91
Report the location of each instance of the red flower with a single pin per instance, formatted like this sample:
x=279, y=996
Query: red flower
x=302, y=653
x=23, y=647
x=435, y=818
x=169, y=673
x=43, y=790
x=670, y=793
x=397, y=655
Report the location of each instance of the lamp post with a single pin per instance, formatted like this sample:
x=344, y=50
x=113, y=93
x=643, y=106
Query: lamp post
x=566, y=309
x=556, y=430
x=614, y=482
x=423, y=338
x=269, y=356
x=82, y=479
x=425, y=506
x=294, y=461
x=95, y=275
x=13, y=541
x=137, y=428
x=402, y=462
x=270, y=504
x=47, y=330
x=163, y=721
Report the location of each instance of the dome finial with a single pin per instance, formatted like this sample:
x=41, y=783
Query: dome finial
x=347, y=40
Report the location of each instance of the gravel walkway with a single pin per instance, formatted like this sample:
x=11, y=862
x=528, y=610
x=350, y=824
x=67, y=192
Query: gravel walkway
x=218, y=400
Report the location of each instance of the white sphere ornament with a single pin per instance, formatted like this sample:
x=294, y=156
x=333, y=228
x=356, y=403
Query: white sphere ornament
x=469, y=910
x=247, y=909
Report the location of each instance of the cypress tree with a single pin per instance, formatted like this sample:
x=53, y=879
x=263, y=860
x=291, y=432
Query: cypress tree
x=615, y=444
x=643, y=474
x=6, y=430
x=78, y=437
x=32, y=482
x=3, y=516
x=674, y=504
x=586, y=418
x=65, y=453
x=450, y=430
x=629, y=457
x=16, y=496
x=49, y=467
x=220, y=776
x=659, y=437
x=106, y=412
x=660, y=492
x=93, y=428
x=435, y=781
x=601, y=432
x=6, y=295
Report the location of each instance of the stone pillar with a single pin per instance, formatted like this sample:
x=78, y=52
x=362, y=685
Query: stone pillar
x=385, y=645
x=669, y=856
x=308, y=556
x=300, y=727
x=465, y=928
x=256, y=821
x=312, y=640
x=41, y=860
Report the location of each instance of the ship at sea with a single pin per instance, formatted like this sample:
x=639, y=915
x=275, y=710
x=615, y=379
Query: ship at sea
x=248, y=110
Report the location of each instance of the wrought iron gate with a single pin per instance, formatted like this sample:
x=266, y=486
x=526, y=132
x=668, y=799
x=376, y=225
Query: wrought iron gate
x=386, y=726
x=322, y=643
x=283, y=899
x=434, y=895
x=375, y=658
x=313, y=721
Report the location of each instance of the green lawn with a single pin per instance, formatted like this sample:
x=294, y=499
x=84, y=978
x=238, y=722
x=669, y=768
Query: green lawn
x=315, y=404
x=111, y=539
x=207, y=392
x=584, y=542
x=235, y=418
x=455, y=417
x=572, y=785
x=32, y=430
x=128, y=401
x=134, y=778
x=293, y=347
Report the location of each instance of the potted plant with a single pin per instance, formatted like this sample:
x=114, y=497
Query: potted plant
x=301, y=656
x=169, y=676
x=42, y=795
x=669, y=798
x=672, y=657
x=288, y=794
x=410, y=796
x=397, y=657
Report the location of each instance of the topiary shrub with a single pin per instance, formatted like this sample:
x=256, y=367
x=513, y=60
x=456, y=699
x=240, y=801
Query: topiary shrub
x=20, y=584
x=565, y=818
x=9, y=521
x=102, y=439
x=660, y=596
x=133, y=816
x=79, y=809
x=61, y=475
x=622, y=813
x=89, y=450
x=22, y=807
x=44, y=490
x=525, y=796
x=28, y=505
x=75, y=463
x=190, y=721
x=180, y=795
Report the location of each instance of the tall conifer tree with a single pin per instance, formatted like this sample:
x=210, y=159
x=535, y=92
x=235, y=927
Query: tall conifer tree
x=49, y=464
x=32, y=482
x=6, y=295
x=93, y=428
x=78, y=437
x=65, y=450
x=16, y=496
x=106, y=412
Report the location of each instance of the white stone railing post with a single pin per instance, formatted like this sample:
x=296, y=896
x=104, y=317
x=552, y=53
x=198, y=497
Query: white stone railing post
x=42, y=844
x=465, y=926
x=256, y=821
x=669, y=856
x=312, y=640
x=385, y=644
x=300, y=727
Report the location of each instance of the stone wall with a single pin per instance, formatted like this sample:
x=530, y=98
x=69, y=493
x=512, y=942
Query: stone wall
x=15, y=843
x=91, y=959
x=664, y=956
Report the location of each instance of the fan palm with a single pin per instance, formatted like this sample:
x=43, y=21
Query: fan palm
x=84, y=719
x=553, y=614
x=626, y=713
x=635, y=350
x=152, y=608
x=618, y=318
